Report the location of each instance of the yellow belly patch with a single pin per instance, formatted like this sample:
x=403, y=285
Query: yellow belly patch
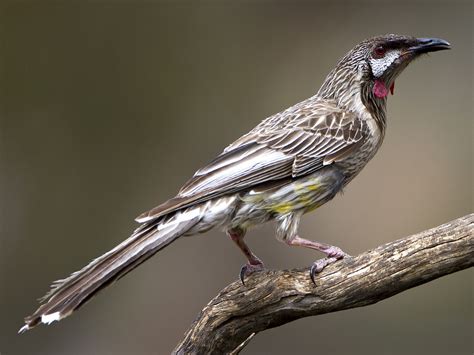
x=282, y=207
x=303, y=198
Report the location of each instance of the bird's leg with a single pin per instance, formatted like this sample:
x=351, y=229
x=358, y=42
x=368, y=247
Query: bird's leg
x=333, y=253
x=254, y=263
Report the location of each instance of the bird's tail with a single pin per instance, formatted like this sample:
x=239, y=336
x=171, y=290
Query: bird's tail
x=69, y=294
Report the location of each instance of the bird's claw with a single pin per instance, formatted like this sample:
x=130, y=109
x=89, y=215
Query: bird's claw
x=319, y=266
x=333, y=254
x=249, y=269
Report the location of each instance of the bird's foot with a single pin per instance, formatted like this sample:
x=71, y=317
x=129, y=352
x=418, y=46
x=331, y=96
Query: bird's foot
x=249, y=269
x=333, y=254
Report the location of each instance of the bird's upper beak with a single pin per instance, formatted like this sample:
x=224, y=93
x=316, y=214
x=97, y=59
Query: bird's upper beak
x=425, y=45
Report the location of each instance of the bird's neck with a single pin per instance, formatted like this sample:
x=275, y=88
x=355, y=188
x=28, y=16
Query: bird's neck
x=355, y=93
x=374, y=103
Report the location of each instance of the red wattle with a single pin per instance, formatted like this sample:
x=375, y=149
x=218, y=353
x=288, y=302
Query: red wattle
x=379, y=89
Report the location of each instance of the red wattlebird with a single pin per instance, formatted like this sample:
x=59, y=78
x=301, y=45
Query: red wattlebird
x=290, y=164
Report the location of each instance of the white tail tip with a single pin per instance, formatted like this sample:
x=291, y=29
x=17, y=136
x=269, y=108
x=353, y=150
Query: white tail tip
x=50, y=318
x=23, y=329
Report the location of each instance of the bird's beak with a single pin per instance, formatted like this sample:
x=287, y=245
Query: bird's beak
x=425, y=45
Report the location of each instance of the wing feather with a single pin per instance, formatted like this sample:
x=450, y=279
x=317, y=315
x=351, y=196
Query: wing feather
x=293, y=143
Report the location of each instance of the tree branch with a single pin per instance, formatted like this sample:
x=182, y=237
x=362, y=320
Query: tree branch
x=273, y=298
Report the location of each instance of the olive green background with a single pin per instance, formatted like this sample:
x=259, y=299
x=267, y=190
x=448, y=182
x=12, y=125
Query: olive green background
x=108, y=107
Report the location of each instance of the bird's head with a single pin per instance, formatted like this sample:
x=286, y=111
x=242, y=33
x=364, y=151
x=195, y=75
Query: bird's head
x=367, y=73
x=385, y=58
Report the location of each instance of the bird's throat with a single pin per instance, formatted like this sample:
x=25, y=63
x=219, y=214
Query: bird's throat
x=380, y=89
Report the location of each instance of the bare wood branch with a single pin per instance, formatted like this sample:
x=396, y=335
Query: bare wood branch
x=273, y=298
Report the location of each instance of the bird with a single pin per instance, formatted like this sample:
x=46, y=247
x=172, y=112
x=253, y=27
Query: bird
x=290, y=164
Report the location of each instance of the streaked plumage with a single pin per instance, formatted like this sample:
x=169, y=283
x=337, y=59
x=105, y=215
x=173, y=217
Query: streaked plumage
x=290, y=164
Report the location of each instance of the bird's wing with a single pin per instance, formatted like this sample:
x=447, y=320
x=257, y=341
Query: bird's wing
x=293, y=143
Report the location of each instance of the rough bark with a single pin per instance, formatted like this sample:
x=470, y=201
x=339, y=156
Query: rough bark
x=273, y=298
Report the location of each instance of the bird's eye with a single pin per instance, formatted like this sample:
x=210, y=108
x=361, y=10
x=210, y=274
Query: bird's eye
x=379, y=52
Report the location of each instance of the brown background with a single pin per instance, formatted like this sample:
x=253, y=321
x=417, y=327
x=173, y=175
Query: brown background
x=107, y=108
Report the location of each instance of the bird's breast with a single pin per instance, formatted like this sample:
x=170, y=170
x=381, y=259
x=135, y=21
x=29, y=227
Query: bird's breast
x=353, y=163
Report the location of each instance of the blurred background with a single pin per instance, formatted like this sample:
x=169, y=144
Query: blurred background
x=108, y=107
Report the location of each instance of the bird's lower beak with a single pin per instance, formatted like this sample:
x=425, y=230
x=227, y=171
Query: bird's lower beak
x=425, y=45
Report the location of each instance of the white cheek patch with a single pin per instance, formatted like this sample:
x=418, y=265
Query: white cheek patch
x=379, y=65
